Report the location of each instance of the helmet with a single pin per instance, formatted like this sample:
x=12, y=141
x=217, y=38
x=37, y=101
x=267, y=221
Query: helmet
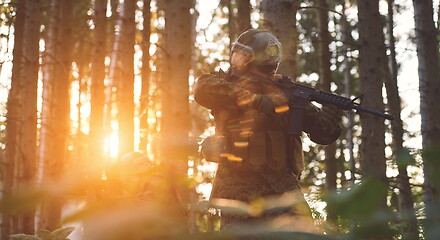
x=258, y=48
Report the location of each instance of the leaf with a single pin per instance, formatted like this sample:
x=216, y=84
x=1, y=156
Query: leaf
x=404, y=158
x=257, y=231
x=298, y=235
x=431, y=158
x=45, y=234
x=22, y=201
x=361, y=201
x=25, y=237
x=63, y=233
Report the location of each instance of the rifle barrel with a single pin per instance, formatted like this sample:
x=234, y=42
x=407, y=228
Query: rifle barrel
x=384, y=115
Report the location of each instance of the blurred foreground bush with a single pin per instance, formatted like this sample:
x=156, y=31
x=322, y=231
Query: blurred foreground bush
x=135, y=200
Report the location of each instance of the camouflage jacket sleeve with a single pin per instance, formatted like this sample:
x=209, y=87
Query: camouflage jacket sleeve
x=315, y=125
x=214, y=92
x=318, y=128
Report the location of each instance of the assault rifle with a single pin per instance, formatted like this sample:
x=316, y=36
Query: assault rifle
x=299, y=96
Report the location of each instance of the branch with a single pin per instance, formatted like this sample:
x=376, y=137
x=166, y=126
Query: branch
x=321, y=8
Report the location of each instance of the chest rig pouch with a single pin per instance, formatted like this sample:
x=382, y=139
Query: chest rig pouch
x=214, y=148
x=260, y=150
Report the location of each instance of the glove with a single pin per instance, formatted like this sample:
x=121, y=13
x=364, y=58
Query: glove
x=332, y=114
x=243, y=97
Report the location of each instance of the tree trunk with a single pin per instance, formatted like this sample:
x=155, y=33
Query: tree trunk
x=325, y=82
x=348, y=92
x=176, y=73
x=113, y=21
x=15, y=110
x=125, y=82
x=438, y=17
x=243, y=15
x=175, y=122
x=56, y=111
x=372, y=71
x=97, y=86
x=280, y=19
x=429, y=87
x=406, y=202
x=110, y=84
x=28, y=159
x=232, y=27
x=145, y=75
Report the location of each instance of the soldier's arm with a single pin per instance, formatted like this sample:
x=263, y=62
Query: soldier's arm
x=214, y=92
x=322, y=125
x=319, y=126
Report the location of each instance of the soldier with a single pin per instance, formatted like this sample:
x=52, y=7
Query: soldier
x=257, y=159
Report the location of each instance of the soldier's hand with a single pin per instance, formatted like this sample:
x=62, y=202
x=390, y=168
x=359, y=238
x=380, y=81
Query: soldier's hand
x=332, y=114
x=243, y=97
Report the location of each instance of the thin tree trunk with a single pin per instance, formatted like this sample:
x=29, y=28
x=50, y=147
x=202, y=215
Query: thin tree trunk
x=429, y=87
x=145, y=75
x=406, y=202
x=325, y=82
x=113, y=73
x=56, y=115
x=97, y=78
x=175, y=121
x=121, y=76
x=348, y=93
x=373, y=65
x=14, y=106
x=49, y=62
x=28, y=165
x=280, y=19
x=125, y=83
x=231, y=23
x=82, y=87
x=113, y=21
x=371, y=74
x=243, y=15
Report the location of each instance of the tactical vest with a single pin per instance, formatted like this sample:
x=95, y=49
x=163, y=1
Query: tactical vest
x=253, y=138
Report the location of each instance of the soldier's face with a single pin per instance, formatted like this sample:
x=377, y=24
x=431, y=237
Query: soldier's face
x=239, y=60
x=265, y=70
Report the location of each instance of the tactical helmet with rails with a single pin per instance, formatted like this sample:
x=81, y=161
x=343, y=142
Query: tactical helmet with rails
x=256, y=48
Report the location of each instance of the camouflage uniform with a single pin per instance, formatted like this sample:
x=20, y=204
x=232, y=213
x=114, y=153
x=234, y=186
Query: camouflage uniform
x=256, y=161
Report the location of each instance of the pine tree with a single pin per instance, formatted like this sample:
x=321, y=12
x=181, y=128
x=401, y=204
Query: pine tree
x=13, y=132
x=145, y=75
x=429, y=87
x=243, y=15
x=125, y=80
x=372, y=69
x=406, y=202
x=325, y=82
x=175, y=122
x=280, y=18
x=27, y=165
x=97, y=81
x=56, y=107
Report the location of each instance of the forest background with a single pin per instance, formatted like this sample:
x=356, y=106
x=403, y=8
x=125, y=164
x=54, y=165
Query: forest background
x=99, y=129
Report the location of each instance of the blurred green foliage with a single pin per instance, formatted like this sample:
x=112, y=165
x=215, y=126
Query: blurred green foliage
x=58, y=234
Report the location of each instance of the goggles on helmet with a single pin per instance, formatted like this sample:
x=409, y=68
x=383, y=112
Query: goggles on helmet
x=243, y=49
x=241, y=55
